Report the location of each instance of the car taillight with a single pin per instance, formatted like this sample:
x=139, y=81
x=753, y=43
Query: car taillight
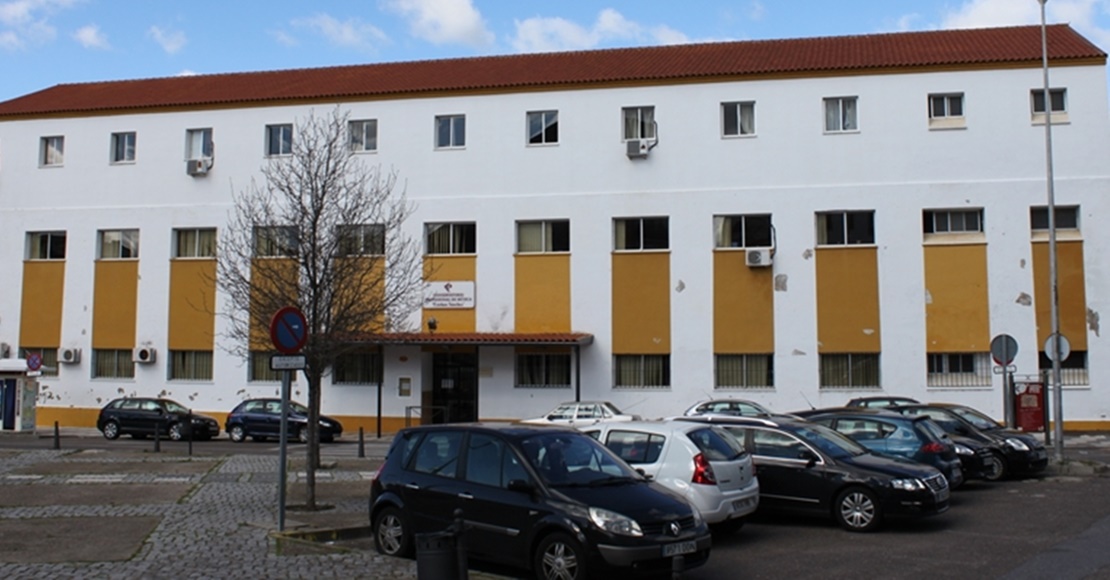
x=703, y=471
x=934, y=447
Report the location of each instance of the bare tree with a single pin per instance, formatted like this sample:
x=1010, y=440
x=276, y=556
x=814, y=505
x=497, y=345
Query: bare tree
x=322, y=231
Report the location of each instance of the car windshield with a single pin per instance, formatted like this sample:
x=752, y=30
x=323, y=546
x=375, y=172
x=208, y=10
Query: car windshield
x=174, y=407
x=830, y=442
x=976, y=418
x=613, y=410
x=575, y=459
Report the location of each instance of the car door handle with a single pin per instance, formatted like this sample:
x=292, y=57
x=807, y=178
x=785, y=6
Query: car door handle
x=465, y=495
x=411, y=486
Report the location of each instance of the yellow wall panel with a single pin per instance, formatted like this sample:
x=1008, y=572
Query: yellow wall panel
x=444, y=269
x=743, y=306
x=192, y=317
x=847, y=300
x=274, y=284
x=641, y=303
x=542, y=293
x=115, y=304
x=41, y=309
x=1071, y=289
x=957, y=314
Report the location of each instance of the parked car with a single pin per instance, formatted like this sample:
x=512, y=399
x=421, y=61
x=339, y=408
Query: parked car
x=1018, y=453
x=738, y=407
x=703, y=463
x=260, y=419
x=883, y=431
x=142, y=417
x=880, y=401
x=577, y=413
x=548, y=498
x=807, y=466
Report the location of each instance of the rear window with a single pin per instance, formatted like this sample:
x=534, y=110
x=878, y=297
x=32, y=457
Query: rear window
x=635, y=446
x=716, y=444
x=932, y=431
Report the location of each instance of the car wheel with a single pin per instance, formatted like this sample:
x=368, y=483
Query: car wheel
x=857, y=510
x=994, y=467
x=560, y=557
x=237, y=433
x=391, y=535
x=176, y=432
x=111, y=430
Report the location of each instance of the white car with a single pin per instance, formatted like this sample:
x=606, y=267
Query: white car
x=578, y=413
x=704, y=463
x=738, y=407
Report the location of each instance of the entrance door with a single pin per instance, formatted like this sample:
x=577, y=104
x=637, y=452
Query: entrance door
x=455, y=387
x=7, y=403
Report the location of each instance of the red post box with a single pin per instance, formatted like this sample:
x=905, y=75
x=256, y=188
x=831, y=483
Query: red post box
x=1029, y=407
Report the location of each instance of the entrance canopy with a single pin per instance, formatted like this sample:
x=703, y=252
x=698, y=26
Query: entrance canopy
x=480, y=338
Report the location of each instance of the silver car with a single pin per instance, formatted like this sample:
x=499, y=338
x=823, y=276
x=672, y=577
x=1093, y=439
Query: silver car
x=704, y=463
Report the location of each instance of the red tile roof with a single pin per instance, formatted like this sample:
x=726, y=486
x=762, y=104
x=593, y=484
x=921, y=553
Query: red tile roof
x=1012, y=46
x=482, y=338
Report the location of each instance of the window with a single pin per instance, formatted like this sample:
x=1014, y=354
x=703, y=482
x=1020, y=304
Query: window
x=364, y=135
x=362, y=240
x=190, y=365
x=964, y=369
x=542, y=371
x=446, y=238
x=52, y=151
x=438, y=453
x=946, y=111
x=738, y=119
x=743, y=231
x=852, y=371
x=543, y=127
x=194, y=243
x=490, y=462
x=838, y=228
x=543, y=236
x=1067, y=218
x=636, y=447
x=198, y=144
x=639, y=122
x=363, y=367
x=46, y=245
x=450, y=131
x=49, y=359
x=275, y=241
x=1055, y=97
x=119, y=244
x=1073, y=370
x=642, y=371
x=123, y=147
x=745, y=371
x=840, y=115
x=112, y=364
x=259, y=369
x=641, y=234
x=279, y=140
x=953, y=221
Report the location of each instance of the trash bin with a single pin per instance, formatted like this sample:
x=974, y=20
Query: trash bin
x=437, y=556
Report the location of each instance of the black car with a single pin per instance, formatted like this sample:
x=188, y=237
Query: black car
x=803, y=465
x=260, y=419
x=1019, y=453
x=546, y=498
x=882, y=431
x=142, y=417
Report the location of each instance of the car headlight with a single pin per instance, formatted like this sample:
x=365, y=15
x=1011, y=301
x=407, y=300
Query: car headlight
x=963, y=450
x=615, y=523
x=907, y=484
x=1016, y=444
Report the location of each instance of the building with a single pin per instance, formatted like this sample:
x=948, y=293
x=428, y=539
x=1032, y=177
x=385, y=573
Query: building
x=793, y=221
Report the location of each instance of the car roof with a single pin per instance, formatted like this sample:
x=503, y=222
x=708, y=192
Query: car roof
x=721, y=419
x=512, y=429
x=853, y=412
x=662, y=426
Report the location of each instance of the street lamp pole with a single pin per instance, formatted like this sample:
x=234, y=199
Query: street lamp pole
x=1054, y=293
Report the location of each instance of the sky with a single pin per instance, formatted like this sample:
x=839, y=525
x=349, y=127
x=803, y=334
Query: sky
x=49, y=42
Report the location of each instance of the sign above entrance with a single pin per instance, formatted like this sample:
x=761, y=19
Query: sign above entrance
x=455, y=294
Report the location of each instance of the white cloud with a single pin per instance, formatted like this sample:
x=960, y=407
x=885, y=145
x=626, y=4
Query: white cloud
x=1083, y=15
x=549, y=34
x=27, y=22
x=756, y=11
x=283, y=38
x=90, y=36
x=170, y=41
x=186, y=73
x=444, y=21
x=351, y=32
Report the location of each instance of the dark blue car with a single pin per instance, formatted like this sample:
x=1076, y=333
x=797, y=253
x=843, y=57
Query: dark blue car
x=260, y=419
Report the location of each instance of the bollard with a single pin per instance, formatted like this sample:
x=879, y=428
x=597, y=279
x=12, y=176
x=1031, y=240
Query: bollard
x=678, y=564
x=157, y=438
x=57, y=437
x=460, y=546
x=361, y=444
x=189, y=418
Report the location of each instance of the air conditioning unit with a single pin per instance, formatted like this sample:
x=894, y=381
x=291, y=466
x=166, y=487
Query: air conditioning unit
x=637, y=148
x=758, y=258
x=69, y=356
x=143, y=355
x=197, y=167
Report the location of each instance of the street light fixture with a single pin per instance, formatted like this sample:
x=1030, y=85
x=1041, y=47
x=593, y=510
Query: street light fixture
x=1054, y=294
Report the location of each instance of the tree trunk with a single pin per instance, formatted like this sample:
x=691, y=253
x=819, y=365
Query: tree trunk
x=312, y=451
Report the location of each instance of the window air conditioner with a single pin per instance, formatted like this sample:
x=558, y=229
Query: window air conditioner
x=69, y=355
x=637, y=148
x=197, y=166
x=143, y=355
x=758, y=258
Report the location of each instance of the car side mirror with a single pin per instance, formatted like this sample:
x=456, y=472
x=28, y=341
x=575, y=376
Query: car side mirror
x=643, y=473
x=808, y=456
x=521, y=485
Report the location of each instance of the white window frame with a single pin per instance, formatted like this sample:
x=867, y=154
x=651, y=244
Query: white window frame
x=941, y=115
x=450, y=131
x=841, y=114
x=744, y=112
x=538, y=124
x=275, y=241
x=939, y=366
x=946, y=222
x=620, y=234
x=364, y=135
x=854, y=381
x=199, y=144
x=638, y=122
x=548, y=367
x=48, y=241
x=120, y=365
x=194, y=243
x=279, y=140
x=1059, y=109
x=123, y=148
x=52, y=151
x=361, y=239
x=124, y=241
x=551, y=238
x=823, y=218
x=725, y=225
x=750, y=366
x=633, y=377
x=349, y=370
x=455, y=231
x=190, y=365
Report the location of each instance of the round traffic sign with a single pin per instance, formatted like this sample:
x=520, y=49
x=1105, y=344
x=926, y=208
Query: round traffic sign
x=289, y=330
x=1003, y=349
x=34, y=361
x=1050, y=347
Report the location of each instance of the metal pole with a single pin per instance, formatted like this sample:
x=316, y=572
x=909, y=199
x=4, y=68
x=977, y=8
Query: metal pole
x=57, y=437
x=286, y=380
x=1054, y=294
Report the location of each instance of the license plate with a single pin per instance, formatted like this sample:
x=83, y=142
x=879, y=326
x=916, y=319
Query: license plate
x=679, y=549
x=942, y=495
x=740, y=504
